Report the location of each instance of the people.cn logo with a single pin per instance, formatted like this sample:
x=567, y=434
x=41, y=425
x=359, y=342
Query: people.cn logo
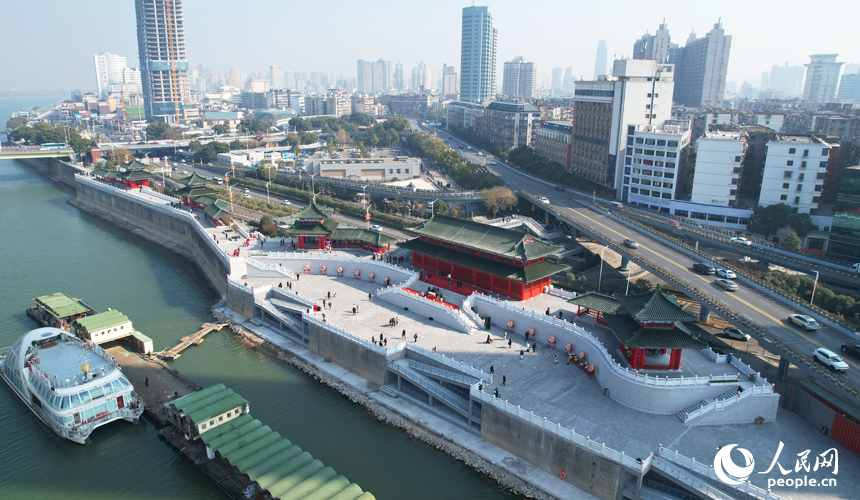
x=727, y=471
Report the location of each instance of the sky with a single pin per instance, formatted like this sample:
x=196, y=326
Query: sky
x=49, y=44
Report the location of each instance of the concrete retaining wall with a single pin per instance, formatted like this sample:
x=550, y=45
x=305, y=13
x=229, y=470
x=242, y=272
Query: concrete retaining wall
x=347, y=354
x=811, y=409
x=425, y=308
x=744, y=411
x=582, y=468
x=646, y=398
x=55, y=169
x=241, y=298
x=171, y=227
x=297, y=262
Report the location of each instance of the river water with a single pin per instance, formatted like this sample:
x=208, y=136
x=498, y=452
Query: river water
x=49, y=246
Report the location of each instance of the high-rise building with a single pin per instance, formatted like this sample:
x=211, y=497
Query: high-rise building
x=600, y=59
x=365, y=76
x=477, y=56
x=109, y=68
x=276, y=77
x=787, y=79
x=717, y=176
x=398, y=76
x=849, y=87
x=373, y=76
x=449, y=82
x=822, y=78
x=556, y=79
x=700, y=69
x=794, y=171
x=568, y=83
x=606, y=111
x=519, y=79
x=420, y=77
x=657, y=47
x=163, y=62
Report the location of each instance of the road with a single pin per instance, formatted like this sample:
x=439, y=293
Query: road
x=767, y=312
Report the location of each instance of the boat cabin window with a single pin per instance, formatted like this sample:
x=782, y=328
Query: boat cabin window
x=65, y=404
x=75, y=400
x=97, y=392
x=116, y=386
x=85, y=397
x=107, y=388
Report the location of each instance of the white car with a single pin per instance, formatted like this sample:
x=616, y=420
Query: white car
x=480, y=153
x=727, y=274
x=734, y=333
x=544, y=200
x=803, y=321
x=378, y=229
x=493, y=162
x=286, y=202
x=740, y=240
x=829, y=359
x=247, y=195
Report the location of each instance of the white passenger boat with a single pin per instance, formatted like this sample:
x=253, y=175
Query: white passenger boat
x=73, y=386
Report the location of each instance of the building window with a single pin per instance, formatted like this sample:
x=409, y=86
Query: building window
x=645, y=192
x=818, y=188
x=631, y=129
x=819, y=175
x=698, y=216
x=800, y=187
x=221, y=418
x=786, y=174
x=627, y=180
x=822, y=164
x=640, y=140
x=638, y=151
x=634, y=190
x=667, y=196
x=800, y=178
x=824, y=152
x=682, y=213
x=816, y=199
x=791, y=151
x=670, y=154
x=785, y=185
x=733, y=192
x=734, y=182
x=783, y=197
x=796, y=200
x=673, y=144
x=649, y=152
x=669, y=175
x=803, y=164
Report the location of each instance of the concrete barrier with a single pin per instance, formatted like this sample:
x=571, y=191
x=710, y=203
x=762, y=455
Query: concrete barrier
x=427, y=308
x=360, y=357
x=55, y=169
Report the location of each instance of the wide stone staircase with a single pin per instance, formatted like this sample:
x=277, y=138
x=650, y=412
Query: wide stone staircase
x=451, y=297
x=731, y=393
x=455, y=400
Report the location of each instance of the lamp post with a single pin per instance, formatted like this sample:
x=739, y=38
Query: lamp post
x=627, y=290
x=814, y=286
x=366, y=207
x=269, y=174
x=312, y=185
x=600, y=276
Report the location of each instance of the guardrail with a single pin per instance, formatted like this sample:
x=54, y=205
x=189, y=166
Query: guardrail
x=466, y=308
x=310, y=318
x=292, y=296
x=641, y=466
x=269, y=267
x=443, y=373
x=708, y=471
x=449, y=362
x=720, y=404
x=690, y=479
x=439, y=392
x=443, y=309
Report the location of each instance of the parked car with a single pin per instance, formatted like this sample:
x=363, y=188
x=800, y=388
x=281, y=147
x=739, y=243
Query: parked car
x=852, y=349
x=544, y=200
x=704, y=268
x=803, y=321
x=246, y=195
x=378, y=229
x=727, y=274
x=559, y=188
x=480, y=153
x=734, y=333
x=727, y=285
x=493, y=162
x=740, y=240
x=631, y=243
x=286, y=202
x=830, y=359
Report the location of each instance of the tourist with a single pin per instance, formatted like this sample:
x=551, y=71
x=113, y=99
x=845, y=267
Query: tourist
x=329, y=294
x=492, y=370
x=480, y=387
x=370, y=297
x=403, y=336
x=560, y=314
x=353, y=310
x=416, y=338
x=534, y=347
x=386, y=342
x=504, y=380
x=556, y=359
x=146, y=381
x=373, y=339
x=547, y=311
x=510, y=341
x=434, y=349
x=281, y=285
x=358, y=309
x=521, y=354
x=496, y=393
x=527, y=337
x=489, y=340
x=528, y=347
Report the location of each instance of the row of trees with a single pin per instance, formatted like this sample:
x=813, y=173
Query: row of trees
x=770, y=219
x=467, y=175
x=42, y=133
x=526, y=159
x=469, y=135
x=163, y=131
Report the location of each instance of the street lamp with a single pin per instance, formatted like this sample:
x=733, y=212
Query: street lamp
x=600, y=276
x=627, y=290
x=366, y=207
x=814, y=286
x=312, y=184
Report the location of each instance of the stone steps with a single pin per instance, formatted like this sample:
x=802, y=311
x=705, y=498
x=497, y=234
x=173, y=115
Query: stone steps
x=699, y=404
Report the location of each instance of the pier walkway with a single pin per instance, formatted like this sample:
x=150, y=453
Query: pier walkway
x=195, y=338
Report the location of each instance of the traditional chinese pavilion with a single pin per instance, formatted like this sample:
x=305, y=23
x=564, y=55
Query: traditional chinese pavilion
x=132, y=175
x=646, y=324
x=216, y=209
x=313, y=227
x=195, y=187
x=504, y=261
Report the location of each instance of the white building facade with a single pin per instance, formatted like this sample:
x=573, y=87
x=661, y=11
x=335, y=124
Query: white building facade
x=718, y=168
x=109, y=70
x=654, y=163
x=477, y=55
x=794, y=171
x=822, y=78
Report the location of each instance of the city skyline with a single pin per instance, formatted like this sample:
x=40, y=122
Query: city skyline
x=753, y=27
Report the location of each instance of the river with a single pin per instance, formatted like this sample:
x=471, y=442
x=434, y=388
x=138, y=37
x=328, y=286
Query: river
x=49, y=246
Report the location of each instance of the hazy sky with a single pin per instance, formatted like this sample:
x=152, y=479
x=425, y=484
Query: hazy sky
x=49, y=44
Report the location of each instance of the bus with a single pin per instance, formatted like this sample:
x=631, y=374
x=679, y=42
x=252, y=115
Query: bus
x=48, y=146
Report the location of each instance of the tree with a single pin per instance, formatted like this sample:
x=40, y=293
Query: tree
x=267, y=220
x=195, y=146
x=770, y=219
x=342, y=137
x=119, y=156
x=329, y=145
x=236, y=144
x=18, y=121
x=299, y=124
x=109, y=165
x=440, y=207
x=221, y=129
x=392, y=138
x=253, y=126
x=155, y=129
x=498, y=198
x=297, y=151
x=791, y=242
x=360, y=118
x=172, y=133
x=801, y=224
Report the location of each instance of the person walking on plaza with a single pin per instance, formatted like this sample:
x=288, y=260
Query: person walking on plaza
x=556, y=359
x=329, y=294
x=353, y=310
x=492, y=371
x=547, y=311
x=534, y=347
x=521, y=354
x=370, y=297
x=560, y=314
x=504, y=380
x=416, y=338
x=146, y=381
x=403, y=335
x=510, y=341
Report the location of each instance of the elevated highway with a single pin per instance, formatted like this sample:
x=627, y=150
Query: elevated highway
x=17, y=153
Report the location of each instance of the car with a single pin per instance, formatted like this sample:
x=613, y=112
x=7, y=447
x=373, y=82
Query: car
x=480, y=153
x=740, y=240
x=852, y=349
x=493, y=162
x=246, y=195
x=829, y=359
x=468, y=147
x=803, y=321
x=559, y=188
x=544, y=200
x=460, y=151
x=631, y=243
x=286, y=202
x=727, y=285
x=704, y=268
x=378, y=229
x=734, y=333
x=727, y=274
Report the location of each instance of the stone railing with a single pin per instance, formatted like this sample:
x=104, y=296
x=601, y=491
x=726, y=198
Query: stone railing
x=449, y=362
x=708, y=471
x=640, y=466
x=421, y=381
x=310, y=318
x=720, y=404
x=467, y=309
x=269, y=267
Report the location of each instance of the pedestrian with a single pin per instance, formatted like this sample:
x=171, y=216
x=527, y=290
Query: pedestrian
x=560, y=314
x=521, y=354
x=527, y=337
x=504, y=380
x=386, y=342
x=146, y=381
x=496, y=393
x=329, y=294
x=492, y=378
x=480, y=386
x=534, y=347
x=489, y=339
x=403, y=335
x=373, y=338
x=492, y=370
x=370, y=297
x=281, y=285
x=547, y=311
x=358, y=309
x=416, y=338
x=510, y=341
x=353, y=310
x=556, y=359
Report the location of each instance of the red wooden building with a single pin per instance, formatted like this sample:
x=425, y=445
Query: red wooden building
x=501, y=260
x=649, y=326
x=195, y=187
x=131, y=175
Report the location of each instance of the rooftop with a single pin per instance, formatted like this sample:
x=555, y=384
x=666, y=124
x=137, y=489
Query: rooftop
x=103, y=320
x=65, y=360
x=512, y=106
x=61, y=305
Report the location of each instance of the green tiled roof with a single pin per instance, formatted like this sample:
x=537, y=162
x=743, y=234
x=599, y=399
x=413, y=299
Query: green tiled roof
x=596, y=301
x=632, y=334
x=365, y=235
x=651, y=306
x=484, y=237
x=61, y=305
x=134, y=165
x=274, y=463
x=326, y=228
x=101, y=172
x=133, y=176
x=525, y=274
x=217, y=208
x=850, y=409
x=314, y=211
x=194, y=192
x=194, y=180
x=101, y=321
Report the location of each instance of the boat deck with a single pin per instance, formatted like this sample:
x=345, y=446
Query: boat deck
x=65, y=360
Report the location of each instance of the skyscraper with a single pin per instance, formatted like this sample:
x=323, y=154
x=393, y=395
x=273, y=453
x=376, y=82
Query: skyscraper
x=787, y=79
x=276, y=77
x=373, y=76
x=600, y=59
x=420, y=77
x=364, y=81
x=822, y=78
x=163, y=62
x=477, y=55
x=701, y=67
x=109, y=68
x=657, y=47
x=556, y=78
x=518, y=79
x=568, y=83
x=398, y=76
x=449, y=81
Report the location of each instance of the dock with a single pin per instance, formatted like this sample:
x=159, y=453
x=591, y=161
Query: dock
x=195, y=338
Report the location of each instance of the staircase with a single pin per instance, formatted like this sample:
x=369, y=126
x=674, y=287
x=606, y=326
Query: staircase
x=450, y=376
x=288, y=321
x=451, y=297
x=289, y=306
x=683, y=414
x=445, y=396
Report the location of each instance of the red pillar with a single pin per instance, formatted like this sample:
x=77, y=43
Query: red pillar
x=641, y=357
x=301, y=242
x=675, y=360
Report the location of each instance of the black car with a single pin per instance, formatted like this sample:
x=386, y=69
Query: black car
x=852, y=349
x=559, y=188
x=704, y=268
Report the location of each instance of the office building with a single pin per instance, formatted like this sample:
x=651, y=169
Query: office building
x=109, y=70
x=276, y=77
x=257, y=85
x=822, y=78
x=510, y=125
x=465, y=115
x=449, y=82
x=845, y=232
x=420, y=77
x=794, y=172
x=700, y=69
x=519, y=79
x=398, y=76
x=364, y=81
x=655, y=163
x=849, y=87
x=568, y=83
x=639, y=92
x=657, y=47
x=787, y=79
x=552, y=141
x=163, y=62
x=556, y=79
x=719, y=157
x=477, y=56
x=412, y=104
x=374, y=77
x=600, y=59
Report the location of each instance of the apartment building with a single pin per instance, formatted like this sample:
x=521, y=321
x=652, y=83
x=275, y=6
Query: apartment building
x=510, y=124
x=719, y=157
x=794, y=172
x=655, y=160
x=552, y=141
